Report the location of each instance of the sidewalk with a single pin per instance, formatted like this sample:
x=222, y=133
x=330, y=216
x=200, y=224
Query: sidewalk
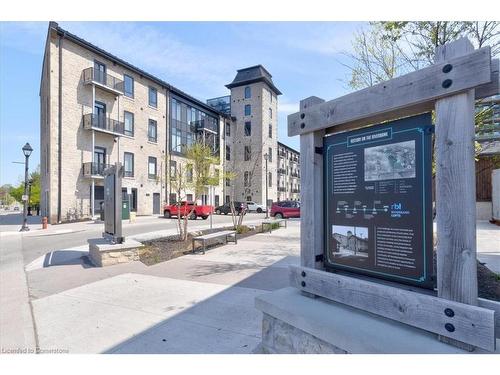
x=192, y=304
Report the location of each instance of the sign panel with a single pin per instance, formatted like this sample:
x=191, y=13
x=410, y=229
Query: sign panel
x=24, y=197
x=378, y=201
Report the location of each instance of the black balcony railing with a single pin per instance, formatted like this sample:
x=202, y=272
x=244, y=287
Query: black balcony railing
x=102, y=78
x=294, y=174
x=92, y=121
x=94, y=169
x=295, y=191
x=282, y=189
x=281, y=171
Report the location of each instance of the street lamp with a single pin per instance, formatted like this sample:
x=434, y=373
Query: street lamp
x=266, y=156
x=27, y=152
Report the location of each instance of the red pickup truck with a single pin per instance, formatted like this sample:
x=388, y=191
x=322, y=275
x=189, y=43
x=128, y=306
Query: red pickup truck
x=184, y=208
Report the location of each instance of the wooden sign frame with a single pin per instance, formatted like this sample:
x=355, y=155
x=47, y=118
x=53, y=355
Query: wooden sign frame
x=459, y=76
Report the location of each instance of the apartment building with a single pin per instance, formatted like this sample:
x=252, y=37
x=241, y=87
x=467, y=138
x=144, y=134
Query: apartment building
x=252, y=143
x=288, y=173
x=97, y=109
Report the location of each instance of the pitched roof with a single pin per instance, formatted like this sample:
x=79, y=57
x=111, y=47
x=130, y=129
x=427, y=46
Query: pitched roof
x=253, y=74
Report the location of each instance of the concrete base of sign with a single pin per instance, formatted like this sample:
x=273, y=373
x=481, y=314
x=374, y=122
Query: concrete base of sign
x=294, y=323
x=102, y=253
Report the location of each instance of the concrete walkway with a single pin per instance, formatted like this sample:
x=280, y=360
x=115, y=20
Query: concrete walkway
x=192, y=304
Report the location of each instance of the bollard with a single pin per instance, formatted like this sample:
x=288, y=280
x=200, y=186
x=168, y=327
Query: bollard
x=44, y=222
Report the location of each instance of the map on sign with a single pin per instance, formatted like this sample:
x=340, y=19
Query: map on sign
x=378, y=213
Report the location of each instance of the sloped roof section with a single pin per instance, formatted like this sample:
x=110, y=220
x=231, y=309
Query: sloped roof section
x=253, y=74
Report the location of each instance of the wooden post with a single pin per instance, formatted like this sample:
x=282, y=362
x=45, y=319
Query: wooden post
x=311, y=193
x=456, y=191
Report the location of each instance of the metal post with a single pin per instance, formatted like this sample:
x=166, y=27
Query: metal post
x=267, y=187
x=211, y=203
x=25, y=209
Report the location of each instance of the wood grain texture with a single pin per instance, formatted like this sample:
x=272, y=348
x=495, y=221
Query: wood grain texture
x=456, y=190
x=311, y=193
x=473, y=325
x=412, y=93
x=495, y=306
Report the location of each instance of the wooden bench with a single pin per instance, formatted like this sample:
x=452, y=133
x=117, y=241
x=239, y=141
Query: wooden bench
x=271, y=222
x=226, y=234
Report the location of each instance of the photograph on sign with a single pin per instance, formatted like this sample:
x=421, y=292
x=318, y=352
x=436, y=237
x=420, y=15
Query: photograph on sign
x=391, y=161
x=378, y=195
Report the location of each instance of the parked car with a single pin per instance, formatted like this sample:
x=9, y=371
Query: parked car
x=285, y=209
x=184, y=208
x=252, y=206
x=226, y=208
x=16, y=208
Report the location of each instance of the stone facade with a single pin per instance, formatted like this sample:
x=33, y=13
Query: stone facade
x=103, y=254
x=261, y=143
x=74, y=151
x=283, y=338
x=288, y=173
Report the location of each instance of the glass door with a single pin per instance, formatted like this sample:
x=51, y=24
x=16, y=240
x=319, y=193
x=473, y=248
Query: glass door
x=99, y=72
x=100, y=115
x=99, y=160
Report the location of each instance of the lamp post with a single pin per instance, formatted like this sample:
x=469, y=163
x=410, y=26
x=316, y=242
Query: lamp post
x=266, y=156
x=27, y=152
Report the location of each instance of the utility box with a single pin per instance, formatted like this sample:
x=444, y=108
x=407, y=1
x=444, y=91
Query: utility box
x=495, y=194
x=125, y=210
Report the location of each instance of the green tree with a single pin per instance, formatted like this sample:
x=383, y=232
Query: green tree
x=6, y=198
x=18, y=191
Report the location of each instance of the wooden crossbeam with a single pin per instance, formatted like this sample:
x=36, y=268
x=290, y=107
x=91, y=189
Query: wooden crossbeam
x=410, y=94
x=466, y=323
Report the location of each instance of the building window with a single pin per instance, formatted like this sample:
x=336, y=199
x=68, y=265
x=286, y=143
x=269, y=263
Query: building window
x=228, y=198
x=228, y=153
x=186, y=123
x=151, y=167
x=128, y=161
x=270, y=130
x=270, y=155
x=270, y=179
x=248, y=153
x=248, y=110
x=172, y=198
x=173, y=170
x=270, y=113
x=248, y=128
x=152, y=128
x=217, y=203
x=189, y=173
x=228, y=129
x=128, y=83
x=153, y=97
x=228, y=182
x=189, y=197
x=248, y=92
x=249, y=198
x=128, y=118
x=247, y=179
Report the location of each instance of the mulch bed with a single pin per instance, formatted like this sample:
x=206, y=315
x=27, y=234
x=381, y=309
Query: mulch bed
x=167, y=248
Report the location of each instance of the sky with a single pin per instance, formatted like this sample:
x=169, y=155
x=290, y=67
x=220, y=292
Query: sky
x=304, y=58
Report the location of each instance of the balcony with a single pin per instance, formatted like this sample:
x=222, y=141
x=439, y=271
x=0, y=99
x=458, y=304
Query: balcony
x=103, y=124
x=205, y=126
x=295, y=191
x=294, y=174
x=94, y=170
x=281, y=171
x=103, y=80
x=281, y=189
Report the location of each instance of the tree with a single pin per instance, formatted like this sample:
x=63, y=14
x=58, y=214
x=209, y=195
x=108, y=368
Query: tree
x=18, y=192
x=6, y=198
x=388, y=49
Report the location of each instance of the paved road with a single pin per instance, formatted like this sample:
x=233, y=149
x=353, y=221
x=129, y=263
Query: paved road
x=37, y=242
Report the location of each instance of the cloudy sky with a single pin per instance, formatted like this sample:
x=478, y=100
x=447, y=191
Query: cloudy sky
x=199, y=58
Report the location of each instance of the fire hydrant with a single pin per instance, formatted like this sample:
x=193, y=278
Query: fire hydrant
x=44, y=222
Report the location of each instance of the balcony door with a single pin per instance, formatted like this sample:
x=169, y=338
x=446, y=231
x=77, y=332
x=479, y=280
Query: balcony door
x=100, y=115
x=99, y=160
x=99, y=72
